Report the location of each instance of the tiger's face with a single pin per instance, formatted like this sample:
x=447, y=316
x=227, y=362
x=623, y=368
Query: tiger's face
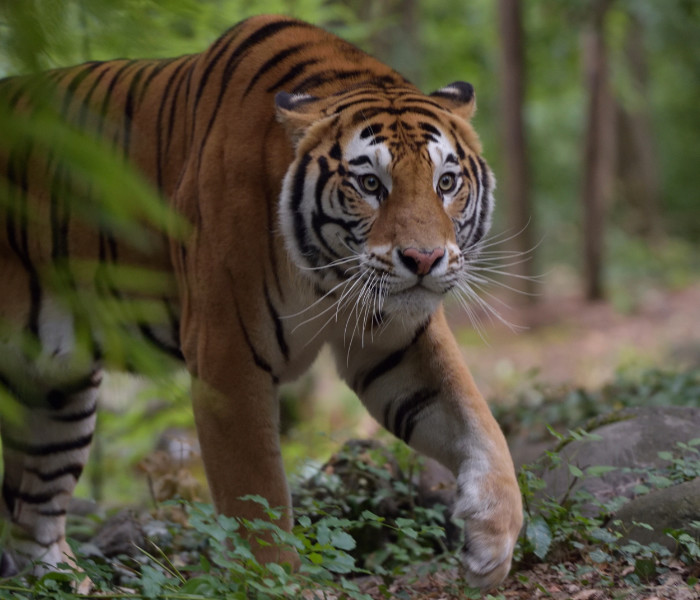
x=387, y=199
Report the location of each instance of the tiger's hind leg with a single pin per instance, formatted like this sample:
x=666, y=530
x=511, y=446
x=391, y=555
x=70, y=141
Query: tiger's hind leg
x=47, y=420
x=44, y=453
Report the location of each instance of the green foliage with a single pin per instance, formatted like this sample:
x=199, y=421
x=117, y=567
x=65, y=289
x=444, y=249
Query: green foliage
x=540, y=407
x=565, y=530
x=371, y=489
x=209, y=555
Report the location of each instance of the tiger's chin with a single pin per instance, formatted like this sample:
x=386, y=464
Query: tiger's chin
x=414, y=304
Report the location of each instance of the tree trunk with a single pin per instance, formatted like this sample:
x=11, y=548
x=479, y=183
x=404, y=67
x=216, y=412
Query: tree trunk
x=516, y=177
x=638, y=175
x=598, y=158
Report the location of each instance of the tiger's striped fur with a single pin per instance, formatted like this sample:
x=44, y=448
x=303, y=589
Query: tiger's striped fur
x=330, y=202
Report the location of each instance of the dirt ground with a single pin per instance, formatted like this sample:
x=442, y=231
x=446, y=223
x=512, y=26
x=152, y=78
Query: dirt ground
x=565, y=340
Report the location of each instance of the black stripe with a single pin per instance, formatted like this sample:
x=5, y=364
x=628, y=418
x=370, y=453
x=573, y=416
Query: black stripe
x=174, y=319
x=363, y=381
x=58, y=398
x=74, y=470
x=336, y=152
x=319, y=218
x=371, y=130
x=158, y=68
x=104, y=109
x=10, y=388
x=279, y=330
x=129, y=107
x=273, y=62
x=75, y=83
x=364, y=99
x=40, y=498
x=259, y=361
x=191, y=64
x=292, y=74
x=75, y=416
x=361, y=160
x=46, y=449
x=407, y=413
x=318, y=79
x=271, y=216
x=483, y=179
x=52, y=512
x=429, y=128
x=367, y=113
x=8, y=497
x=173, y=351
x=85, y=101
x=165, y=96
x=307, y=250
x=255, y=38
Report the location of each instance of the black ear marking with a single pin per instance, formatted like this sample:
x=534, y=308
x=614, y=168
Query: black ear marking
x=292, y=102
x=458, y=97
x=459, y=91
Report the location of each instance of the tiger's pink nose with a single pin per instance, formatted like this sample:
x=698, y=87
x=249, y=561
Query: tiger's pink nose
x=421, y=262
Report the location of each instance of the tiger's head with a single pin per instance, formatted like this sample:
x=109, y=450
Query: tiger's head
x=388, y=197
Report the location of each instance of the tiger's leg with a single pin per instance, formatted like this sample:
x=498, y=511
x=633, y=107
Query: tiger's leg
x=239, y=437
x=234, y=398
x=47, y=418
x=420, y=389
x=44, y=452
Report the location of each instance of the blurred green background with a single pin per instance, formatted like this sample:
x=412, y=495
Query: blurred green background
x=649, y=193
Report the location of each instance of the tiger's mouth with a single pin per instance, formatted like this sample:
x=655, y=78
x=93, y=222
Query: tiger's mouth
x=416, y=300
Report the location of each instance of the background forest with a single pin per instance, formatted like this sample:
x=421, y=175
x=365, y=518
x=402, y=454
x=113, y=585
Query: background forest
x=587, y=109
x=589, y=114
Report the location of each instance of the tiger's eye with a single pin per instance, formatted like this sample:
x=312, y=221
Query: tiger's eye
x=370, y=183
x=447, y=182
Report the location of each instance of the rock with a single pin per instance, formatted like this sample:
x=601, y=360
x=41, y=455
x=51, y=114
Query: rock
x=120, y=534
x=436, y=484
x=669, y=508
x=633, y=441
x=632, y=444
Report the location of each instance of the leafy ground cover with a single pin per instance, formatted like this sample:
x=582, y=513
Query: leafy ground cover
x=361, y=533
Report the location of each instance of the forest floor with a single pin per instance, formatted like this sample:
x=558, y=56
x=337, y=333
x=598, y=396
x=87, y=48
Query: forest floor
x=567, y=342
x=564, y=343
x=564, y=340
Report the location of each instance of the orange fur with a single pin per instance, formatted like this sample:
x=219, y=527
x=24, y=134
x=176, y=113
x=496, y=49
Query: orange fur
x=307, y=171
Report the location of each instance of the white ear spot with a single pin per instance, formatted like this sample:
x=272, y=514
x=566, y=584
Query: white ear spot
x=459, y=91
x=457, y=97
x=292, y=102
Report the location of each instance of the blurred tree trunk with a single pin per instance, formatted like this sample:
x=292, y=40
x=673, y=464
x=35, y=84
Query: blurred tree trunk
x=599, y=143
x=639, y=185
x=517, y=175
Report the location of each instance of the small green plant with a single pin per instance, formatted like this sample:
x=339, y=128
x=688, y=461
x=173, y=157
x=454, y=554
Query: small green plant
x=565, y=530
x=367, y=495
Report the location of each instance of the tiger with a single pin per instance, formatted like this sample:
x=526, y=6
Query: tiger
x=328, y=202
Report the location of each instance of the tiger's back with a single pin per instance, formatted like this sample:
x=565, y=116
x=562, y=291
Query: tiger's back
x=328, y=200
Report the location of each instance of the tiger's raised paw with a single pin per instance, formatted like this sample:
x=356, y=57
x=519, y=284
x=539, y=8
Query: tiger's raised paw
x=491, y=529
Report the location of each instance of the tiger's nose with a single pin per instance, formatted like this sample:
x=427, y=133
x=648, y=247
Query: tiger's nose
x=421, y=262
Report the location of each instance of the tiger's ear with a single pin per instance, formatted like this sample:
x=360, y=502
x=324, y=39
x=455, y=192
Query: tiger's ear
x=458, y=98
x=297, y=112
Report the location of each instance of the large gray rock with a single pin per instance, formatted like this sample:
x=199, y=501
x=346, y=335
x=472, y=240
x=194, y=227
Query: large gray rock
x=669, y=508
x=632, y=443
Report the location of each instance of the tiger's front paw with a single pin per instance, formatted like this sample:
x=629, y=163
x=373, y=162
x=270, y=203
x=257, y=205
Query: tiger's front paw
x=492, y=514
